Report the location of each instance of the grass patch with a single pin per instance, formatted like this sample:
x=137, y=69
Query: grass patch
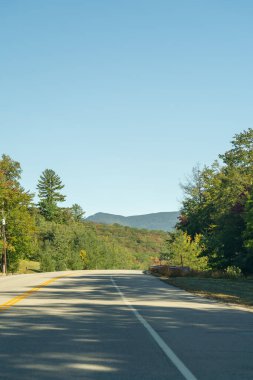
x=239, y=291
x=27, y=266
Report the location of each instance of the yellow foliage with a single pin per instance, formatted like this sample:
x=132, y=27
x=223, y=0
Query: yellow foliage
x=84, y=257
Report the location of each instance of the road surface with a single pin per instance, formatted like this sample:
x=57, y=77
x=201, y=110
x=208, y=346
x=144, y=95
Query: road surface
x=118, y=325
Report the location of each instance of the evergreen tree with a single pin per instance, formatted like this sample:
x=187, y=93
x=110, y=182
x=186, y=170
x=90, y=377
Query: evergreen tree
x=49, y=186
x=77, y=212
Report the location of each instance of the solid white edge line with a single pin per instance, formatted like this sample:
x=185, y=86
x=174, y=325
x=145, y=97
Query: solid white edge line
x=161, y=343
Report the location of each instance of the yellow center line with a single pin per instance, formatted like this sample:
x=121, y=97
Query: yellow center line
x=26, y=294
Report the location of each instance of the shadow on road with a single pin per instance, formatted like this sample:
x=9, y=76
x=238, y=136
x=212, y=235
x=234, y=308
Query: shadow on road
x=80, y=328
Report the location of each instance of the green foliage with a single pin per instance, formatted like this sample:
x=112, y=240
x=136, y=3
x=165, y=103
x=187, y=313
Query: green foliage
x=248, y=232
x=233, y=272
x=216, y=222
x=182, y=250
x=83, y=245
x=241, y=155
x=49, y=186
x=47, y=263
x=60, y=238
x=144, y=246
x=217, y=205
x=77, y=212
x=16, y=209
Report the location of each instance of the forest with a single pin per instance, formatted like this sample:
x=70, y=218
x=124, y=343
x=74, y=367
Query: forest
x=214, y=230
x=60, y=238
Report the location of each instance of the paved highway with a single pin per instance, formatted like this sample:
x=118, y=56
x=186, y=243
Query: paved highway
x=118, y=325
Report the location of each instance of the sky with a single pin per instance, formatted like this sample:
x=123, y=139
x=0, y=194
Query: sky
x=123, y=98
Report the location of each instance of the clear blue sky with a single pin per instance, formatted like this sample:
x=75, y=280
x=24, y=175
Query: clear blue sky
x=123, y=98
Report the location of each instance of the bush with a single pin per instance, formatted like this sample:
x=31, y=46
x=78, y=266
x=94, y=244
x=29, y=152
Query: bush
x=74, y=261
x=233, y=272
x=47, y=264
x=60, y=265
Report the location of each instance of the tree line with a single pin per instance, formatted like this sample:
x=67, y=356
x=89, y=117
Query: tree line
x=59, y=237
x=214, y=231
x=215, y=228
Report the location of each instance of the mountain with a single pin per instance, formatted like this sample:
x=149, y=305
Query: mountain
x=164, y=221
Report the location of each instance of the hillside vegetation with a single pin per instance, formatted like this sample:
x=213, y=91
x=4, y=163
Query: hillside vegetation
x=48, y=237
x=84, y=245
x=214, y=231
x=215, y=228
x=144, y=246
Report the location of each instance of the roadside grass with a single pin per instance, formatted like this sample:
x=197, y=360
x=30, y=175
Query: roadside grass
x=28, y=266
x=238, y=291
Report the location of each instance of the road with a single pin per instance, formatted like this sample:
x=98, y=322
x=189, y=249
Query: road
x=118, y=325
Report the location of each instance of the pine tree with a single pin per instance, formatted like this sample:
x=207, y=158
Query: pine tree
x=49, y=186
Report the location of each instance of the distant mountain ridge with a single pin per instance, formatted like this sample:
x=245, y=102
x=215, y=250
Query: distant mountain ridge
x=164, y=221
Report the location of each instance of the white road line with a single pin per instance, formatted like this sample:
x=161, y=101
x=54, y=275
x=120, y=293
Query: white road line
x=161, y=343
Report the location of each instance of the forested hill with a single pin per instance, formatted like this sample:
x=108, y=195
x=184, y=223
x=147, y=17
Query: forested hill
x=164, y=221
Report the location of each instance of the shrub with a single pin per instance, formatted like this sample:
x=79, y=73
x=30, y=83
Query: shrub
x=84, y=258
x=233, y=272
x=47, y=264
x=74, y=261
x=60, y=265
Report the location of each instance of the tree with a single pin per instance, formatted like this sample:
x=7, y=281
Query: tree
x=77, y=212
x=219, y=214
x=193, y=216
x=49, y=186
x=248, y=235
x=182, y=250
x=241, y=154
x=16, y=205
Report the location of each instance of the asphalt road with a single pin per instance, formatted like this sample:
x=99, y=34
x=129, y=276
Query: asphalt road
x=118, y=325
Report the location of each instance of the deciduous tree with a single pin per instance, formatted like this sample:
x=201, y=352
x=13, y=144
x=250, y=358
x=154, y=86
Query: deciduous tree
x=16, y=205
